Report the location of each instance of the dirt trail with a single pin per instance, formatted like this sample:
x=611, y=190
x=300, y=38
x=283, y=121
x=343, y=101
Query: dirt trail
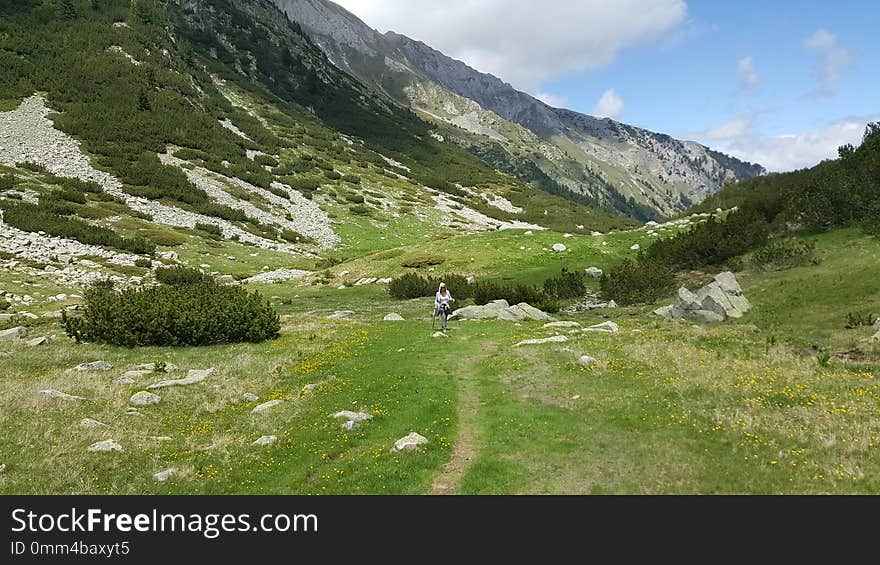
x=469, y=440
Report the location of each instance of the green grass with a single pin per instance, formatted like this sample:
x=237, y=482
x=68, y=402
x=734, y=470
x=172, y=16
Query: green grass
x=734, y=408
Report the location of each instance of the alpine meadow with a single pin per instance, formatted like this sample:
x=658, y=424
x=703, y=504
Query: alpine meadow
x=224, y=224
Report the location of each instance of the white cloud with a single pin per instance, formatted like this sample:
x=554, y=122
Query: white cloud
x=521, y=44
x=799, y=150
x=748, y=76
x=833, y=61
x=551, y=99
x=822, y=39
x=609, y=106
x=730, y=130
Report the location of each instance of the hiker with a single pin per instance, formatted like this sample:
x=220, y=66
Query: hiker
x=442, y=303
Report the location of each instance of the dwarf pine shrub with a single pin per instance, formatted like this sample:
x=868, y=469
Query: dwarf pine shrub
x=201, y=313
x=634, y=282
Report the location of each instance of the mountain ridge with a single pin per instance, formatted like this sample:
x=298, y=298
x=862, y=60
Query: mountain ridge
x=611, y=163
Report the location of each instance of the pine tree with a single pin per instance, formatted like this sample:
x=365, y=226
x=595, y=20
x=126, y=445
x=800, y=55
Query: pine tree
x=68, y=10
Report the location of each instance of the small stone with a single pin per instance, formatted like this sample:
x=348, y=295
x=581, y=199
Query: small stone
x=38, y=341
x=145, y=398
x=61, y=395
x=566, y=324
x=605, y=327
x=394, y=317
x=123, y=380
x=341, y=315
x=554, y=339
x=194, y=376
x=353, y=416
x=90, y=423
x=410, y=442
x=587, y=361
x=440, y=335
x=104, y=446
x=350, y=425
x=559, y=248
x=265, y=440
x=594, y=273
x=248, y=397
x=635, y=247
x=576, y=397
x=94, y=366
x=163, y=476
x=265, y=406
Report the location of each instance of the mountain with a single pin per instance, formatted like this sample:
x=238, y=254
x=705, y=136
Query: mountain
x=616, y=165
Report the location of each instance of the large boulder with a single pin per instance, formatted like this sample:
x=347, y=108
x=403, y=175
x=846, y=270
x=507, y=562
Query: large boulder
x=13, y=334
x=716, y=302
x=534, y=314
x=501, y=310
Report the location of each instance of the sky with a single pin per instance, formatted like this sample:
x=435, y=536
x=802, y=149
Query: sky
x=782, y=83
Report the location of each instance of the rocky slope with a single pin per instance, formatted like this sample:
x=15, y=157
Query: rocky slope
x=611, y=163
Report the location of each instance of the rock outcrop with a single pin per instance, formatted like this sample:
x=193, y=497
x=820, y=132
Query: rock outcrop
x=501, y=310
x=716, y=302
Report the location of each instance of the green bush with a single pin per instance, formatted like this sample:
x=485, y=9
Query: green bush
x=4, y=304
x=634, y=282
x=209, y=228
x=181, y=276
x=412, y=285
x=352, y=179
x=858, y=319
x=782, y=254
x=359, y=210
x=423, y=261
x=7, y=182
x=33, y=218
x=143, y=263
x=295, y=237
x=569, y=284
x=194, y=314
x=332, y=175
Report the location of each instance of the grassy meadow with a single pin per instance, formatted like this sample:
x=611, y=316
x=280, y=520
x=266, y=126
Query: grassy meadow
x=669, y=408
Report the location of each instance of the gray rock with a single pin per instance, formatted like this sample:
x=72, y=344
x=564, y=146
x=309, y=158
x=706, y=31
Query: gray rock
x=440, y=335
x=14, y=334
x=533, y=313
x=123, y=380
x=350, y=425
x=248, y=397
x=410, y=442
x=144, y=398
x=353, y=416
x=706, y=316
x=587, y=361
x=52, y=393
x=54, y=315
x=877, y=325
x=94, y=366
x=131, y=376
x=194, y=376
x=105, y=446
x=605, y=327
x=564, y=324
x=716, y=302
x=90, y=423
x=265, y=406
x=151, y=368
x=512, y=314
x=393, y=317
x=554, y=339
x=612, y=304
x=594, y=272
x=341, y=315
x=265, y=440
x=38, y=341
x=559, y=247
x=163, y=476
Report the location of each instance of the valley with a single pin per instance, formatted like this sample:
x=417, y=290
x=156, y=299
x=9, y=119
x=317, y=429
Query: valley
x=223, y=141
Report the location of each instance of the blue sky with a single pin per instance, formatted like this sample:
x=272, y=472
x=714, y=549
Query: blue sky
x=782, y=83
x=690, y=85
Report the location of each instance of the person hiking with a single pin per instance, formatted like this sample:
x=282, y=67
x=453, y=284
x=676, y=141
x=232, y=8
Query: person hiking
x=442, y=303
